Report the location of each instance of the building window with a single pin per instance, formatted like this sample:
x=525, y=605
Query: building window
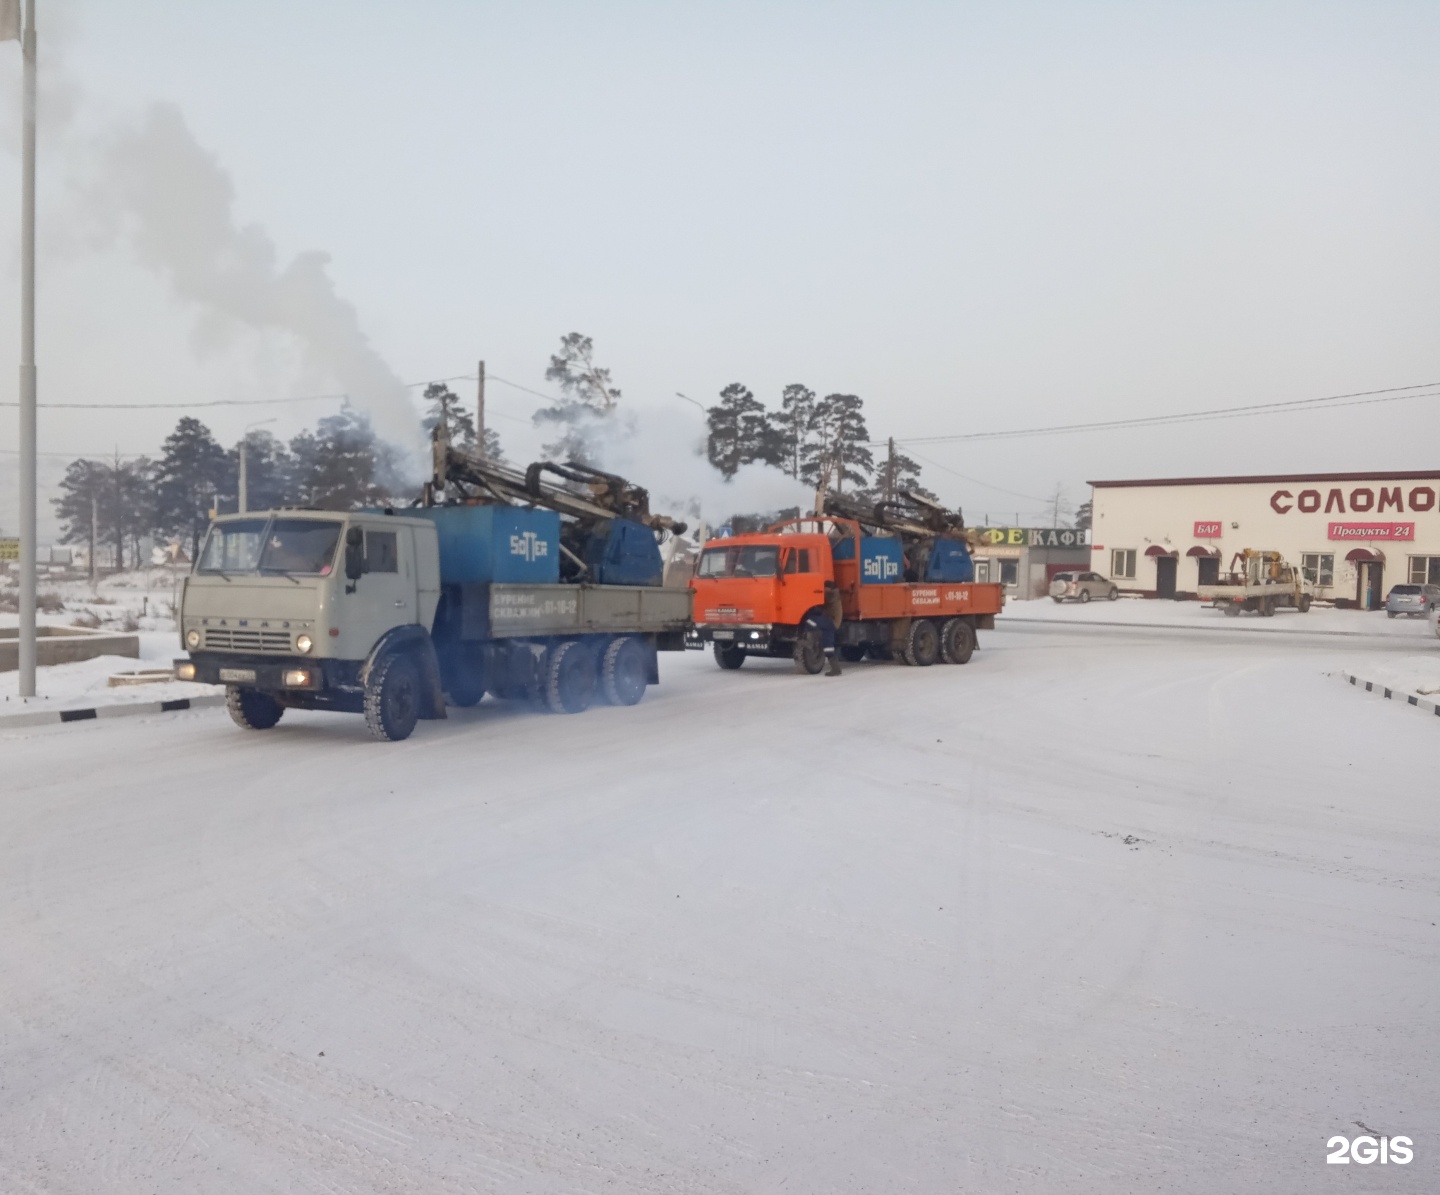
x=1318, y=567
x=1122, y=563
x=1009, y=572
x=1425, y=570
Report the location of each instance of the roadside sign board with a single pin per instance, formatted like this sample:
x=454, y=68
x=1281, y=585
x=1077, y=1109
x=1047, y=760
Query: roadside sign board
x=9, y=549
x=1210, y=530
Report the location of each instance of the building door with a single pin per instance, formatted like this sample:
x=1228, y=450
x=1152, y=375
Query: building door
x=1369, y=586
x=1209, y=570
x=1165, y=576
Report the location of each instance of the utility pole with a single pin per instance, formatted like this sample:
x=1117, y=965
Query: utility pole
x=890, y=473
x=28, y=526
x=480, y=409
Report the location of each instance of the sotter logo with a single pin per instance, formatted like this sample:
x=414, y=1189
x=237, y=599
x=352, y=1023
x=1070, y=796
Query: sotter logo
x=528, y=546
x=882, y=568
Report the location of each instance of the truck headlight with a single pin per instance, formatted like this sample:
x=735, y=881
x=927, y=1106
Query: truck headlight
x=185, y=671
x=303, y=643
x=192, y=638
x=297, y=678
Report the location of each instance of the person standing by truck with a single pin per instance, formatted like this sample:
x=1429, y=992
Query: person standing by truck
x=827, y=622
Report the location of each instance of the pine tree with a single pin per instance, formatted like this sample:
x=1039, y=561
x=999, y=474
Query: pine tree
x=342, y=464
x=445, y=404
x=794, y=428
x=740, y=431
x=120, y=494
x=193, y=476
x=588, y=399
x=842, y=457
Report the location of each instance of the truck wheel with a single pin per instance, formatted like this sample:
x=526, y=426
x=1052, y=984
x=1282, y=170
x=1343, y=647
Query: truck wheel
x=809, y=653
x=852, y=653
x=569, y=678
x=1232, y=609
x=922, y=644
x=625, y=671
x=1304, y=603
x=728, y=656
x=1267, y=608
x=251, y=708
x=392, y=698
x=957, y=641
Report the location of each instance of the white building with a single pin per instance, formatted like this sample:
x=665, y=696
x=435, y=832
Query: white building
x=1354, y=534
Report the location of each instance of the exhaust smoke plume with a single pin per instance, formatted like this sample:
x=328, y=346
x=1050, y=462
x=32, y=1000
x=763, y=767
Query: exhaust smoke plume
x=664, y=450
x=164, y=194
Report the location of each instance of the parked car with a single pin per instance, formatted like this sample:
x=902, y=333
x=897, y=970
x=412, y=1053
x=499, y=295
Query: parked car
x=1082, y=587
x=1412, y=599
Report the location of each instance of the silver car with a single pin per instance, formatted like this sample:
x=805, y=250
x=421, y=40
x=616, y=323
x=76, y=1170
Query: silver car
x=1081, y=587
x=1412, y=599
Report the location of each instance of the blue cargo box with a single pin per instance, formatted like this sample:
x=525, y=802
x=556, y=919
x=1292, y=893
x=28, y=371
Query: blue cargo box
x=882, y=560
x=496, y=543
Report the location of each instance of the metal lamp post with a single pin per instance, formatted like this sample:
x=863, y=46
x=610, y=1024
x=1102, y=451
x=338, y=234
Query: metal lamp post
x=244, y=503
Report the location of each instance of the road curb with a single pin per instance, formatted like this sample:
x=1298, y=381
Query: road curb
x=91, y=713
x=1426, y=707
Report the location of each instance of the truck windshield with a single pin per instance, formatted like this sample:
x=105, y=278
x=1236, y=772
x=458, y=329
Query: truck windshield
x=300, y=546
x=232, y=547
x=747, y=560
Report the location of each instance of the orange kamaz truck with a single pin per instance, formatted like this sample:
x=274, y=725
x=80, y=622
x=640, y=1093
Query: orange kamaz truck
x=905, y=579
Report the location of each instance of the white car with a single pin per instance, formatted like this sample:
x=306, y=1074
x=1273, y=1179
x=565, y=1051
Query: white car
x=1081, y=587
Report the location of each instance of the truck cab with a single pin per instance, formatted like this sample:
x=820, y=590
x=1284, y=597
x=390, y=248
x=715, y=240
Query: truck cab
x=297, y=608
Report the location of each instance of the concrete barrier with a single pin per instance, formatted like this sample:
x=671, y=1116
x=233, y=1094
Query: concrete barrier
x=65, y=645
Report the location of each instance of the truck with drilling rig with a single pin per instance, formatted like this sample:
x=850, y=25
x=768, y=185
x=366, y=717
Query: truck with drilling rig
x=542, y=585
x=904, y=573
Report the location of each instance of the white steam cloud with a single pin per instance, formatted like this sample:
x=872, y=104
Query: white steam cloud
x=160, y=190
x=664, y=451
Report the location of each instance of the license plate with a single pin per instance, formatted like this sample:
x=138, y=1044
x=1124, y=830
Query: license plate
x=238, y=675
x=724, y=634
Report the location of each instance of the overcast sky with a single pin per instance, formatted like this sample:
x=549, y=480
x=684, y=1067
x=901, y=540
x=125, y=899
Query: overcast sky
x=975, y=216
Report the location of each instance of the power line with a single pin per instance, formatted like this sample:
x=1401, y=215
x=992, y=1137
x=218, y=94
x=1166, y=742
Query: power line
x=1293, y=406
x=977, y=481
x=222, y=402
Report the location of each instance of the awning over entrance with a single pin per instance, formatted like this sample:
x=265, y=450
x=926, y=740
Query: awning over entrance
x=1363, y=554
x=1211, y=553
x=1157, y=550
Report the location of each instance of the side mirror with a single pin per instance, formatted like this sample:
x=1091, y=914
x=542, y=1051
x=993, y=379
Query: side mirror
x=354, y=554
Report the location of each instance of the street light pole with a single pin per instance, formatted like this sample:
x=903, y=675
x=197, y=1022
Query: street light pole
x=243, y=504
x=28, y=527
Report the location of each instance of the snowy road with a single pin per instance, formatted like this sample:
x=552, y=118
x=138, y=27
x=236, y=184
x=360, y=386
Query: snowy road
x=1106, y=910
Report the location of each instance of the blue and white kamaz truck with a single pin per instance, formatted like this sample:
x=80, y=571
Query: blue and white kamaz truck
x=499, y=581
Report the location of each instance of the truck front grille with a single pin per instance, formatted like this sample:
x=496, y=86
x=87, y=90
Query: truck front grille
x=225, y=639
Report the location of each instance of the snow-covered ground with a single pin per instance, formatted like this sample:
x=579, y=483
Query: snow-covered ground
x=1318, y=620
x=1108, y=909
